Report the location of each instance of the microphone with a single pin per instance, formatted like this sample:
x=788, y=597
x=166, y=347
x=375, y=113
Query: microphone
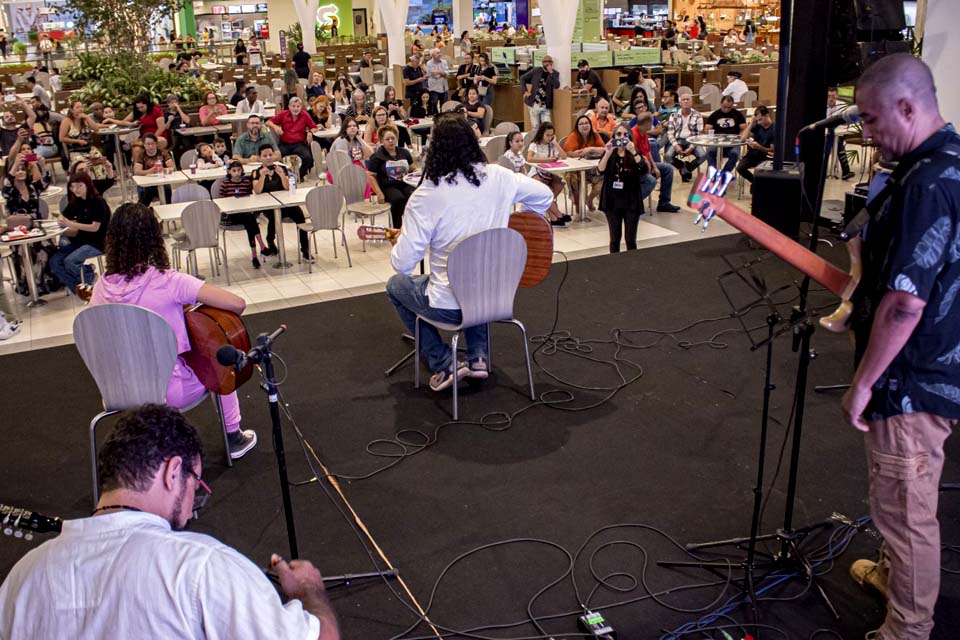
x=850, y=115
x=229, y=356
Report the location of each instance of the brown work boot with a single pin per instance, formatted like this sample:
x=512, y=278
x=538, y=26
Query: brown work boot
x=870, y=575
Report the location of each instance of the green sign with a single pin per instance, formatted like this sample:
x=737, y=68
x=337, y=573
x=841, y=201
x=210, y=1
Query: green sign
x=337, y=13
x=595, y=58
x=589, y=24
x=643, y=55
x=503, y=55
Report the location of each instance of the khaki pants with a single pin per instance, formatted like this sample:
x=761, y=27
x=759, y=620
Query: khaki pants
x=905, y=458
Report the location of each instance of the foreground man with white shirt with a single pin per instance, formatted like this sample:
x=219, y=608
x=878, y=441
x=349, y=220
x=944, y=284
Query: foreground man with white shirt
x=461, y=195
x=130, y=572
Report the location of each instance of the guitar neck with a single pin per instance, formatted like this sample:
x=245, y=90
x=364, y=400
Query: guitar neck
x=836, y=280
x=18, y=518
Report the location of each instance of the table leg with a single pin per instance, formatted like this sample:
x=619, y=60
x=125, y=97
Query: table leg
x=282, y=264
x=582, y=196
x=35, y=300
x=121, y=168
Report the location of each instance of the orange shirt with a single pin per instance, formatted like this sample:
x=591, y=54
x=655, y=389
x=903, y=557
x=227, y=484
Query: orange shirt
x=572, y=143
x=607, y=126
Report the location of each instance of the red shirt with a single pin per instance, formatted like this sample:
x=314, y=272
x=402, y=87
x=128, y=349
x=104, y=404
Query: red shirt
x=294, y=129
x=148, y=123
x=642, y=143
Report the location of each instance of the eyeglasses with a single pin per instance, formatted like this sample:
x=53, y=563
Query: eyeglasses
x=202, y=494
x=620, y=134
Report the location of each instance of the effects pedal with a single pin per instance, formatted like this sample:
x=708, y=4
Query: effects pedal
x=594, y=624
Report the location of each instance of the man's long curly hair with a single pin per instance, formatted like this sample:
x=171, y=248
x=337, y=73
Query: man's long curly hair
x=453, y=149
x=135, y=241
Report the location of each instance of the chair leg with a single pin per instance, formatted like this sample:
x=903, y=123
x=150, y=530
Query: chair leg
x=226, y=266
x=218, y=406
x=333, y=236
x=93, y=453
x=489, y=349
x=416, y=353
x=453, y=370
x=345, y=247
x=526, y=353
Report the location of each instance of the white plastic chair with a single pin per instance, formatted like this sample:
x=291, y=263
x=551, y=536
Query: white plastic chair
x=324, y=204
x=484, y=271
x=505, y=128
x=130, y=351
x=494, y=148
x=189, y=157
x=189, y=193
x=201, y=224
x=353, y=181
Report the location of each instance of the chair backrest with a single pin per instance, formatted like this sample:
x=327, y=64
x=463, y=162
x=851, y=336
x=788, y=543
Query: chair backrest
x=189, y=157
x=495, y=147
x=201, y=221
x=487, y=119
x=527, y=140
x=43, y=209
x=708, y=90
x=353, y=181
x=505, y=162
x=130, y=352
x=324, y=204
x=749, y=98
x=215, y=188
x=449, y=105
x=316, y=151
x=64, y=201
x=189, y=193
x=484, y=271
x=337, y=160
x=505, y=128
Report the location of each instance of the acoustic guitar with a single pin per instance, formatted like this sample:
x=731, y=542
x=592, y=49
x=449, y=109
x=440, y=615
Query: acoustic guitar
x=534, y=228
x=209, y=328
x=708, y=198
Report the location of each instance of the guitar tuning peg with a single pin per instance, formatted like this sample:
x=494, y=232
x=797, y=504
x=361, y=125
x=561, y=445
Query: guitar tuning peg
x=28, y=536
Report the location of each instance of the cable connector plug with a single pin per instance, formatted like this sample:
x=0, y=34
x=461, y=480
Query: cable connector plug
x=594, y=624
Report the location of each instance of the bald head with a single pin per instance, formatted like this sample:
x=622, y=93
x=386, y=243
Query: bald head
x=901, y=76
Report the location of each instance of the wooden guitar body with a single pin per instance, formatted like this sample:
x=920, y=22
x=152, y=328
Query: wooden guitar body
x=708, y=199
x=209, y=329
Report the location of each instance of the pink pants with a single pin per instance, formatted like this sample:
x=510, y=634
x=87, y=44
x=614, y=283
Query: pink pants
x=185, y=388
x=905, y=456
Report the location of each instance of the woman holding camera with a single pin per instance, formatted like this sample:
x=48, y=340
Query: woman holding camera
x=622, y=167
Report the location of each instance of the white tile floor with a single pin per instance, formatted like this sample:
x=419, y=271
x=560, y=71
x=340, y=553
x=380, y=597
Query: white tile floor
x=267, y=289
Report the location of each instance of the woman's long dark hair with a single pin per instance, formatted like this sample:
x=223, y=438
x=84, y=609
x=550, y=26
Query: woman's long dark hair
x=343, y=127
x=84, y=178
x=541, y=131
x=576, y=130
x=453, y=149
x=142, y=99
x=134, y=242
x=637, y=91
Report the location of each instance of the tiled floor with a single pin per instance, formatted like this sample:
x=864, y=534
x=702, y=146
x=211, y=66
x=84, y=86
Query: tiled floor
x=267, y=289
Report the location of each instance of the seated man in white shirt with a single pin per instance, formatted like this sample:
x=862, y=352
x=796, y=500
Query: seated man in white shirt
x=250, y=103
x=130, y=572
x=460, y=195
x=735, y=86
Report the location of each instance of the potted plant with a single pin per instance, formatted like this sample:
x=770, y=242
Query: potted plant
x=20, y=49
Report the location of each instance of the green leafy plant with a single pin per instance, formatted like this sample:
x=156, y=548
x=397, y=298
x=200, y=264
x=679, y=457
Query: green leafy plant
x=118, y=79
x=120, y=25
x=19, y=48
x=295, y=35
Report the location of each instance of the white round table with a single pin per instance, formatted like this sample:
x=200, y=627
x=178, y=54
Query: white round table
x=35, y=300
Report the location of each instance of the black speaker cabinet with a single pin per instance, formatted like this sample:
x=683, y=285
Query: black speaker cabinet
x=776, y=198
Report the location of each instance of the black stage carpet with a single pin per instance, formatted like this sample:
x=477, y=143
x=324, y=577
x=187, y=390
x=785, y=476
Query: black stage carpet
x=675, y=450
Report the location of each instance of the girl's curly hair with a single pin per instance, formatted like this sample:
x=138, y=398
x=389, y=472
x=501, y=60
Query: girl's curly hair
x=135, y=241
x=453, y=149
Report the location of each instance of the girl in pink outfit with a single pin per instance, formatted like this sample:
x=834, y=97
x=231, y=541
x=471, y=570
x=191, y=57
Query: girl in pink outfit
x=138, y=272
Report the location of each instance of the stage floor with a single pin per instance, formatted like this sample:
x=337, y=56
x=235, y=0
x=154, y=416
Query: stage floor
x=673, y=450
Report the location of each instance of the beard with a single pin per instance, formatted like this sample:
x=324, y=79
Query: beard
x=177, y=521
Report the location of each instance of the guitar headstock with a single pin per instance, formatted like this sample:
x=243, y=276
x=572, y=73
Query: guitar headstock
x=22, y=523
x=704, y=197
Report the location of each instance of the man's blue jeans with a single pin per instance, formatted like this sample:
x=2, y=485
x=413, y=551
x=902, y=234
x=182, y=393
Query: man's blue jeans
x=648, y=182
x=409, y=295
x=68, y=260
x=732, y=154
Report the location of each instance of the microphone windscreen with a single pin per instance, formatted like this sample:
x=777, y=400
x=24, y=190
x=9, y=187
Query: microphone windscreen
x=228, y=356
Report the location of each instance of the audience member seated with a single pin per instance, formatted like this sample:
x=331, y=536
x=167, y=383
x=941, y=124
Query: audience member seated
x=175, y=119
x=211, y=110
x=514, y=152
x=325, y=119
x=44, y=138
x=150, y=159
x=729, y=121
x=271, y=177
x=238, y=185
x=22, y=187
x=602, y=120
x=425, y=108
x=759, y=137
x=475, y=109
x=386, y=169
x=220, y=150
x=138, y=272
x=657, y=170
x=247, y=147
x=656, y=130
x=251, y=102
x=379, y=119
x=685, y=124
x=98, y=168
x=350, y=143
x=206, y=158
x=39, y=92
x=240, y=87
x=621, y=97
x=85, y=219
x=544, y=148
x=359, y=110
x=585, y=142
x=396, y=112
x=12, y=132
x=735, y=86
x=294, y=128
x=341, y=96
x=149, y=118
x=317, y=86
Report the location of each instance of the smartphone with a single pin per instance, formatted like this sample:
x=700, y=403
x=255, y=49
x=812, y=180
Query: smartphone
x=30, y=157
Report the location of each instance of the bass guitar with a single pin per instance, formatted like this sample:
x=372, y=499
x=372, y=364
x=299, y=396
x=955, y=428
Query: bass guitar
x=209, y=328
x=23, y=523
x=708, y=199
x=534, y=228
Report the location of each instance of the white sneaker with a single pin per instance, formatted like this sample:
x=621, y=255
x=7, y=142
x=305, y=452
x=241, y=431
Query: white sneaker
x=9, y=329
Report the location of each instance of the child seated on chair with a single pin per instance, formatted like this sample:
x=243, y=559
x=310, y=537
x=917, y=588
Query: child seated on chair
x=220, y=150
x=237, y=185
